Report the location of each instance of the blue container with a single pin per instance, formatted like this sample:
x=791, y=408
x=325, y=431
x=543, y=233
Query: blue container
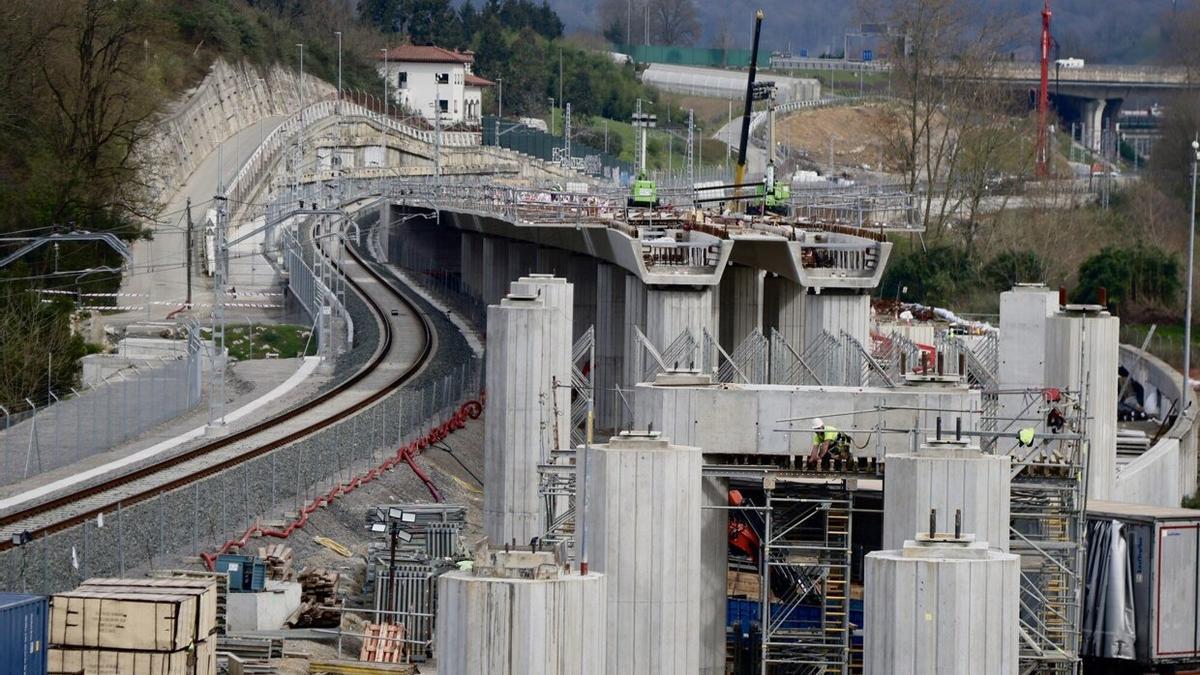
x=24, y=627
x=247, y=574
x=800, y=617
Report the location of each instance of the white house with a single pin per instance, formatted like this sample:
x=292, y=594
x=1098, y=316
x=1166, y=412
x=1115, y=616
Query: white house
x=420, y=78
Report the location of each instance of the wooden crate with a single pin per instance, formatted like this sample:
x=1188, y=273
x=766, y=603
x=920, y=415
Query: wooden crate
x=221, y=579
x=205, y=591
x=135, y=621
x=383, y=643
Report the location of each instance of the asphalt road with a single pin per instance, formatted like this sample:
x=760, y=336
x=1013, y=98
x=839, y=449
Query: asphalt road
x=158, y=280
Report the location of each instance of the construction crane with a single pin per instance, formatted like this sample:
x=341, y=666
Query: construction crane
x=1043, y=152
x=740, y=171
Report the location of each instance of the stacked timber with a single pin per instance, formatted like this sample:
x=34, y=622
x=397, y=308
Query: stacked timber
x=318, y=599
x=279, y=561
x=135, y=627
x=220, y=578
x=249, y=655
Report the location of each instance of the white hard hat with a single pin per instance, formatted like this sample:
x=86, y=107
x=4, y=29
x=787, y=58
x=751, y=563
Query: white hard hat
x=818, y=423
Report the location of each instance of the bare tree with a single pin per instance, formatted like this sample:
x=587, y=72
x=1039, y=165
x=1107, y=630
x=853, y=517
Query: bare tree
x=94, y=71
x=938, y=68
x=674, y=22
x=623, y=19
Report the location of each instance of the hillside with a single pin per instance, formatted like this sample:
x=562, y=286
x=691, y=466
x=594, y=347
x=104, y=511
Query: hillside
x=1125, y=32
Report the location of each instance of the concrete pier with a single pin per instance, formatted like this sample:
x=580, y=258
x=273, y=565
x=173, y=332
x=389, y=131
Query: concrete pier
x=947, y=476
x=644, y=534
x=558, y=296
x=610, y=344
x=1024, y=311
x=495, y=269
x=519, y=422
x=635, y=317
x=1082, y=355
x=670, y=310
x=520, y=612
x=941, y=607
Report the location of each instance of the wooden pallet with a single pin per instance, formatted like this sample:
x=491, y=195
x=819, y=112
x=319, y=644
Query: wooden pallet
x=383, y=643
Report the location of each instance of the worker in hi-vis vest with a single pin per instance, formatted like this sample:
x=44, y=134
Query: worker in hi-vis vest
x=828, y=440
x=1025, y=437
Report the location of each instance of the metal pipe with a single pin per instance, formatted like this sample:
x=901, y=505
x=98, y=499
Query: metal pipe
x=1185, y=397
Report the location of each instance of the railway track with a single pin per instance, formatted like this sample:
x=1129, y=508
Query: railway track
x=340, y=402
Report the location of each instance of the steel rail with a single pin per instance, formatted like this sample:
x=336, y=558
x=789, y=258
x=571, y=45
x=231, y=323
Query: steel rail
x=381, y=356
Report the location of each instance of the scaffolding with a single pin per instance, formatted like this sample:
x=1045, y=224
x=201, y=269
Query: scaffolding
x=1048, y=517
x=806, y=543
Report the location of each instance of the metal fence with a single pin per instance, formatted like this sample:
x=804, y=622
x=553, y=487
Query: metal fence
x=84, y=423
x=550, y=147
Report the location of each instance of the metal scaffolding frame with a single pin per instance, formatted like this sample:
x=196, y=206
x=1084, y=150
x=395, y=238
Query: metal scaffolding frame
x=1048, y=519
x=806, y=541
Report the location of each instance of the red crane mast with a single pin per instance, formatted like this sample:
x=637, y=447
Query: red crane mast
x=1043, y=153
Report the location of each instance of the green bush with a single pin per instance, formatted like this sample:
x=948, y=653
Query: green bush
x=1012, y=267
x=933, y=277
x=1140, y=276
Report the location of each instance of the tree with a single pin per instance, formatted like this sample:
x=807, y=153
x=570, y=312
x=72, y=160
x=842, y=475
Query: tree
x=937, y=66
x=1133, y=277
x=93, y=69
x=629, y=16
x=674, y=22
x=1013, y=267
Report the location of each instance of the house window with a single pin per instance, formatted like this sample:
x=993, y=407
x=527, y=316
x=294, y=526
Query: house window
x=443, y=78
x=402, y=80
x=444, y=105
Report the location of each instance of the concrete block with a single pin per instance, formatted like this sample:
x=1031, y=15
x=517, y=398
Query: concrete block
x=262, y=611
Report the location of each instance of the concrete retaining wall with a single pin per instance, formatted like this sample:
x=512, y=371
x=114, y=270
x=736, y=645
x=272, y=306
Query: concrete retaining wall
x=1166, y=473
x=230, y=98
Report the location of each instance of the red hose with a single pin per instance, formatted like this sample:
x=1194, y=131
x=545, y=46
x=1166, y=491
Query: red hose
x=404, y=454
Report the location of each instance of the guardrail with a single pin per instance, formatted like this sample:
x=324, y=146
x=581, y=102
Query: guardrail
x=249, y=177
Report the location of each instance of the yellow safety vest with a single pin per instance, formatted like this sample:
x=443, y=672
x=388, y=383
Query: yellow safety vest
x=1025, y=436
x=829, y=433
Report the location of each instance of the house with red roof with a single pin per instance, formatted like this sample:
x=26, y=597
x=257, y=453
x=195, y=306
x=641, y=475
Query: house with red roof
x=429, y=80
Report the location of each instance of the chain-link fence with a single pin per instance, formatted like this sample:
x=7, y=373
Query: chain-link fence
x=71, y=428
x=205, y=514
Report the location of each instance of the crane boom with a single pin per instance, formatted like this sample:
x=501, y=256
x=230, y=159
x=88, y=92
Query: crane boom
x=740, y=172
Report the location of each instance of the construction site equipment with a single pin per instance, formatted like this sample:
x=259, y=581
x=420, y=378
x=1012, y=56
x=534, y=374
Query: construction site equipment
x=740, y=172
x=1043, y=151
x=644, y=192
x=247, y=574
